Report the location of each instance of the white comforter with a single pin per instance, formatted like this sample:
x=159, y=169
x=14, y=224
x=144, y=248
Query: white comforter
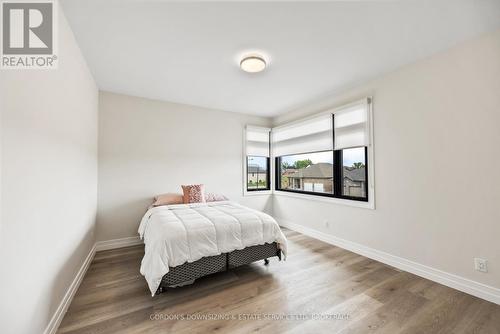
x=176, y=234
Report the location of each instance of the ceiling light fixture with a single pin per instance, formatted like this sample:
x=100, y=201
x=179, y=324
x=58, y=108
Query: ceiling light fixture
x=253, y=63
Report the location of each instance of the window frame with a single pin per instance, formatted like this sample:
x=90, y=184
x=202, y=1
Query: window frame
x=277, y=177
x=337, y=172
x=339, y=169
x=244, y=163
x=268, y=175
x=367, y=202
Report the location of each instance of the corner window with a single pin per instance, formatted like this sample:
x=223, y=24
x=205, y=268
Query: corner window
x=257, y=173
x=337, y=162
x=257, y=166
x=341, y=174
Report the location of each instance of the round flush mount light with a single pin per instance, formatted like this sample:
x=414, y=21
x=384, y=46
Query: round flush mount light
x=253, y=63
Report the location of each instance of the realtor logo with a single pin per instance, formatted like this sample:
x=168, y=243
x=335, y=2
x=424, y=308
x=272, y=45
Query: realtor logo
x=28, y=35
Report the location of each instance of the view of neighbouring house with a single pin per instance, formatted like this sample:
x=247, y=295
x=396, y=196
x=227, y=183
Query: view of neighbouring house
x=257, y=176
x=319, y=178
x=354, y=181
x=316, y=177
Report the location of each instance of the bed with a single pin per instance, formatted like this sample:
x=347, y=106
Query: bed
x=184, y=242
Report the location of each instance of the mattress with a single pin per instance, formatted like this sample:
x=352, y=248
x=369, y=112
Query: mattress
x=176, y=234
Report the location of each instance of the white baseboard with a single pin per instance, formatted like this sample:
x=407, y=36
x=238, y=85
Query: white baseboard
x=68, y=297
x=117, y=243
x=480, y=290
x=453, y=281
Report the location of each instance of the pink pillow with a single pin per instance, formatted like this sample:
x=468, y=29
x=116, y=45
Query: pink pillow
x=211, y=197
x=167, y=199
x=194, y=193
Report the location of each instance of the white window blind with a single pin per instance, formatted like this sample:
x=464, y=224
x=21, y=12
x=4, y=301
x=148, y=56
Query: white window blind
x=312, y=135
x=257, y=141
x=351, y=126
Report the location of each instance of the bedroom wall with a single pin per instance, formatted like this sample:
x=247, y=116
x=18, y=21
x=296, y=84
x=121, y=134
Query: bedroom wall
x=49, y=184
x=149, y=147
x=436, y=127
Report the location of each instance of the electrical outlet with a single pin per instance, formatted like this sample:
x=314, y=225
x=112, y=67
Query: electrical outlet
x=481, y=265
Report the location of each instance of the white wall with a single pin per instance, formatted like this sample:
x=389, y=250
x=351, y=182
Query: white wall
x=49, y=184
x=437, y=136
x=149, y=147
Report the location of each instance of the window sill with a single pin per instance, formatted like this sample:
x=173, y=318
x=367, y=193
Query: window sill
x=332, y=200
x=257, y=193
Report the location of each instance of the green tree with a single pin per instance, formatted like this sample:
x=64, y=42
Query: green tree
x=284, y=182
x=358, y=165
x=299, y=164
x=285, y=165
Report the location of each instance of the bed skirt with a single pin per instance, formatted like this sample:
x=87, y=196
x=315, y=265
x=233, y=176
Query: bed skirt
x=189, y=271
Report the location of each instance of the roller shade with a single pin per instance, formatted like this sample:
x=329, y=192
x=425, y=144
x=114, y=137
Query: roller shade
x=351, y=126
x=257, y=141
x=312, y=135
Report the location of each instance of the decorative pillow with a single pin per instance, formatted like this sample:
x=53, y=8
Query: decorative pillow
x=167, y=199
x=194, y=193
x=211, y=197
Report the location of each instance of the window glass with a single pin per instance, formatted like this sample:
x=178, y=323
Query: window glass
x=354, y=172
x=309, y=172
x=257, y=173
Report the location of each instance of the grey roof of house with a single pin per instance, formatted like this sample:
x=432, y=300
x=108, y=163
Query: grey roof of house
x=355, y=174
x=319, y=170
x=254, y=168
x=324, y=170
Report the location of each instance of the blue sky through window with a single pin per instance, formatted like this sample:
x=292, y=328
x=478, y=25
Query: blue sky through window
x=350, y=157
x=260, y=161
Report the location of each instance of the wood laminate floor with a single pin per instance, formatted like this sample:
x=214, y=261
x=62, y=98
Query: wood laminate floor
x=352, y=293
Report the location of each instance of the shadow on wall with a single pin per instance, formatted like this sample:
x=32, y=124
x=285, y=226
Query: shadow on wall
x=66, y=274
x=262, y=202
x=121, y=220
x=268, y=207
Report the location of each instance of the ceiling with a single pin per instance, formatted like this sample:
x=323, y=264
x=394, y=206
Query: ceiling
x=188, y=52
